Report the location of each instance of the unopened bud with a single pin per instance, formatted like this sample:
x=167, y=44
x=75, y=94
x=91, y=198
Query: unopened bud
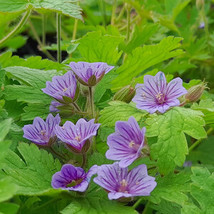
x=199, y=4
x=195, y=92
x=125, y=94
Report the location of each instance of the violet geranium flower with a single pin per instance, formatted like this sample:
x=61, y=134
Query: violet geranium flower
x=120, y=182
x=90, y=74
x=76, y=136
x=53, y=106
x=73, y=178
x=158, y=95
x=42, y=132
x=126, y=143
x=62, y=86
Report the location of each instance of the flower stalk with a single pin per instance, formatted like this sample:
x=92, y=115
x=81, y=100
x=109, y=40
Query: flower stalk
x=58, y=24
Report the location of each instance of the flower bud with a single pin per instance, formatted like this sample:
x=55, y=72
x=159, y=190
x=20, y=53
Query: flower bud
x=195, y=92
x=199, y=4
x=125, y=94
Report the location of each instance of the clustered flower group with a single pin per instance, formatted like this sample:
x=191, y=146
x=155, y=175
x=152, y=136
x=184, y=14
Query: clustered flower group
x=125, y=144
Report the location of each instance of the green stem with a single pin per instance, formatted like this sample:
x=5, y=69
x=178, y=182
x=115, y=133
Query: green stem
x=43, y=29
x=199, y=141
x=113, y=12
x=84, y=158
x=137, y=203
x=75, y=27
x=58, y=26
x=46, y=203
x=17, y=28
x=91, y=100
x=39, y=41
x=103, y=9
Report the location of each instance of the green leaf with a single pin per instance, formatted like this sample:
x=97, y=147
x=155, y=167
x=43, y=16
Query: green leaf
x=140, y=36
x=96, y=206
x=9, y=208
x=13, y=5
x=31, y=77
x=4, y=147
x=170, y=128
x=7, y=189
x=145, y=57
x=4, y=128
x=166, y=207
x=202, y=189
x=62, y=6
x=103, y=86
x=100, y=47
x=207, y=107
x=33, y=171
x=36, y=62
x=203, y=153
x=27, y=94
x=35, y=110
x=119, y=111
x=172, y=188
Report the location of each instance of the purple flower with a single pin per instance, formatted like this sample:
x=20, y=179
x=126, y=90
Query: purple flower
x=126, y=143
x=41, y=132
x=61, y=86
x=158, y=95
x=202, y=25
x=76, y=136
x=120, y=182
x=53, y=106
x=73, y=178
x=90, y=74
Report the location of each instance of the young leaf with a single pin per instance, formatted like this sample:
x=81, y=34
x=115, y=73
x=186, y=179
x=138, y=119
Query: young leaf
x=119, y=111
x=145, y=57
x=33, y=172
x=170, y=128
x=96, y=206
x=172, y=188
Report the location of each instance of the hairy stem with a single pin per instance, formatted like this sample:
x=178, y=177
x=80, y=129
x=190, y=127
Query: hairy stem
x=91, y=100
x=39, y=42
x=43, y=29
x=58, y=29
x=57, y=154
x=128, y=10
x=199, y=141
x=17, y=28
x=146, y=208
x=76, y=107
